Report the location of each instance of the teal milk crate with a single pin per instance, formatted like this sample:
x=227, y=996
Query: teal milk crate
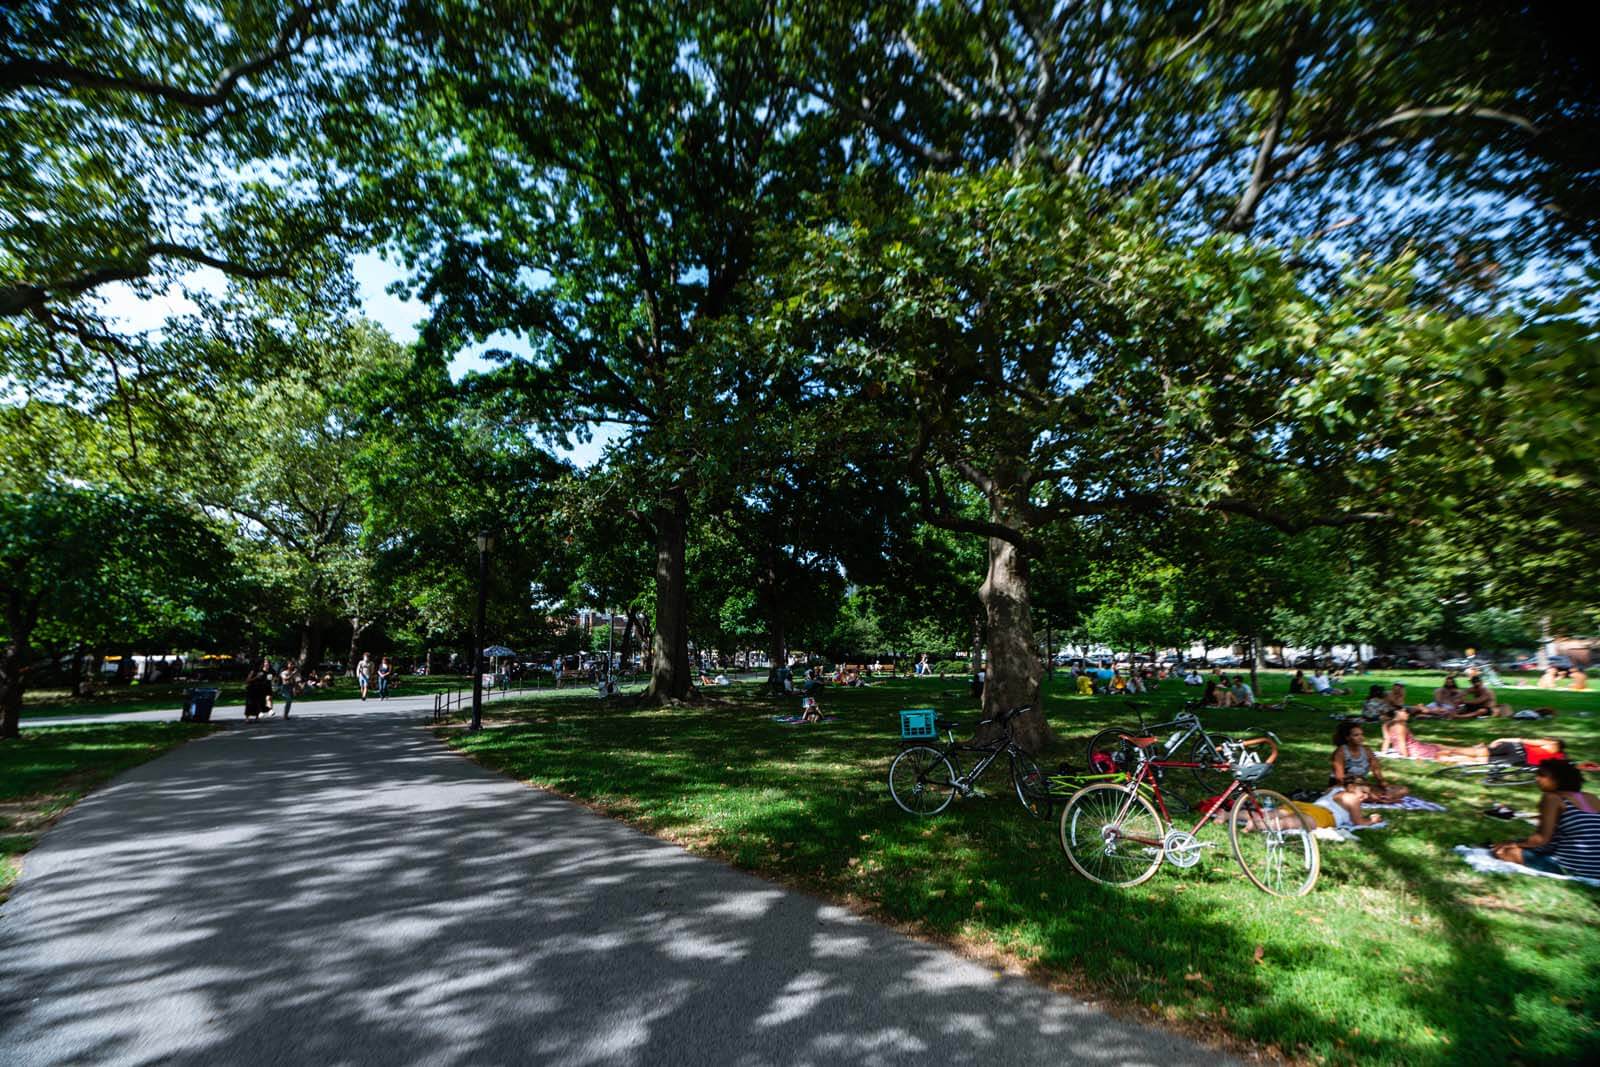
x=917, y=724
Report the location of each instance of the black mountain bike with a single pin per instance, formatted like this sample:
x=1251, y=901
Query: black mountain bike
x=924, y=779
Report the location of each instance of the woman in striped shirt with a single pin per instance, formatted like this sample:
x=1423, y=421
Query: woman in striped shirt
x=1568, y=838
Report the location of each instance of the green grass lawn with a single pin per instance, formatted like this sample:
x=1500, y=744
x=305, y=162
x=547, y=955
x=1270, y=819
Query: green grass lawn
x=1401, y=954
x=45, y=772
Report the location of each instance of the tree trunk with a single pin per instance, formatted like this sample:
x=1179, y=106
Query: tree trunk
x=1255, y=664
x=313, y=639
x=79, y=688
x=670, y=674
x=777, y=624
x=14, y=663
x=625, y=651
x=357, y=630
x=1013, y=669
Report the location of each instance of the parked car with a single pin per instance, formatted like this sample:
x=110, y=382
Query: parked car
x=1227, y=661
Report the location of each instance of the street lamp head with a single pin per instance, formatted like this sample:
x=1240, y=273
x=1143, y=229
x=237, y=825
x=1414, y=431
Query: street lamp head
x=485, y=541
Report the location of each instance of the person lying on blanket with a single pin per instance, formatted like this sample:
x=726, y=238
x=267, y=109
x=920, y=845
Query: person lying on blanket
x=1356, y=770
x=1567, y=840
x=1400, y=741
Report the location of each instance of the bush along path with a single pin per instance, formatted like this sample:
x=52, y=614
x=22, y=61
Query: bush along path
x=1401, y=954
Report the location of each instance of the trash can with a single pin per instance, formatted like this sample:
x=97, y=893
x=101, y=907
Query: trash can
x=199, y=705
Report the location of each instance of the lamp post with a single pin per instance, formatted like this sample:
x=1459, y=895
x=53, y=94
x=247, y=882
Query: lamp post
x=485, y=545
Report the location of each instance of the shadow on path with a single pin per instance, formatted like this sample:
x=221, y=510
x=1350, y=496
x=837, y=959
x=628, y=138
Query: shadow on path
x=345, y=890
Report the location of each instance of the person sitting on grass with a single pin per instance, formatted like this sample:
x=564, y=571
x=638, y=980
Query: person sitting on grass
x=1356, y=769
x=1323, y=685
x=1085, y=684
x=1298, y=686
x=1192, y=677
x=1243, y=695
x=1376, y=706
x=1395, y=697
x=1216, y=696
x=1567, y=840
x=1479, y=701
x=1446, y=699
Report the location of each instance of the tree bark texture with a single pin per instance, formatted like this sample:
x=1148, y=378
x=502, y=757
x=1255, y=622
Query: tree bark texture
x=670, y=675
x=1013, y=670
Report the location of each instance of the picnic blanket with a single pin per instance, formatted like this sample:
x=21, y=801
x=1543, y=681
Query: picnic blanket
x=790, y=720
x=1480, y=859
x=1407, y=804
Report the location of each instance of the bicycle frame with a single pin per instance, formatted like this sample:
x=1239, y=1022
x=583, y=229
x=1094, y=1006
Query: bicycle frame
x=1191, y=725
x=991, y=751
x=1151, y=782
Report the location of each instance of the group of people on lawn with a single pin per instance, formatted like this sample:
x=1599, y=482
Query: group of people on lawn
x=1087, y=681
x=1566, y=839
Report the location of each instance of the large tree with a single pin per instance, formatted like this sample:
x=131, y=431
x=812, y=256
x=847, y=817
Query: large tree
x=88, y=560
x=1049, y=360
x=593, y=183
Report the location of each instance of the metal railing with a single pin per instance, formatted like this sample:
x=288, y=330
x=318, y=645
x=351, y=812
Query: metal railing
x=447, y=703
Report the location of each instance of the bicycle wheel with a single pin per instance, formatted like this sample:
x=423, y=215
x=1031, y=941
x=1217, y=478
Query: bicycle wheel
x=1201, y=752
x=1111, y=837
x=922, y=781
x=1273, y=842
x=1033, y=788
x=1108, y=752
x=1489, y=773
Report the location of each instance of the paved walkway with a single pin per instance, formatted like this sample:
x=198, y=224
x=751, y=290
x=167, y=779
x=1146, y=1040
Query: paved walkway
x=342, y=889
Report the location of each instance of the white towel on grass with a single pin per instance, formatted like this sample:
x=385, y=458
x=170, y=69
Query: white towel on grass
x=1407, y=803
x=1480, y=859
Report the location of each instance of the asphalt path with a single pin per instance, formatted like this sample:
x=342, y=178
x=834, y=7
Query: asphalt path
x=341, y=888
x=235, y=712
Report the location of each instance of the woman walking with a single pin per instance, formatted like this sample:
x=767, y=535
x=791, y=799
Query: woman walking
x=258, y=691
x=364, y=673
x=384, y=671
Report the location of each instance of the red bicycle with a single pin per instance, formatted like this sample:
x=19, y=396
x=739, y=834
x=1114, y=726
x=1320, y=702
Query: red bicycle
x=1119, y=834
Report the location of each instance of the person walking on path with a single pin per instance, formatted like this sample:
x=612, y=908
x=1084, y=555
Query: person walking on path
x=555, y=666
x=384, y=672
x=258, y=691
x=288, y=686
x=364, y=673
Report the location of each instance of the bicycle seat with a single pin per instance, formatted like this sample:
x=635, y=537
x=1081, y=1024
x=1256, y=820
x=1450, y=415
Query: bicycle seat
x=1020, y=709
x=946, y=724
x=1139, y=742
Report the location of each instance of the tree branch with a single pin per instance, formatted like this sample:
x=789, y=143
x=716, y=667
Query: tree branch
x=293, y=35
x=1244, y=212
